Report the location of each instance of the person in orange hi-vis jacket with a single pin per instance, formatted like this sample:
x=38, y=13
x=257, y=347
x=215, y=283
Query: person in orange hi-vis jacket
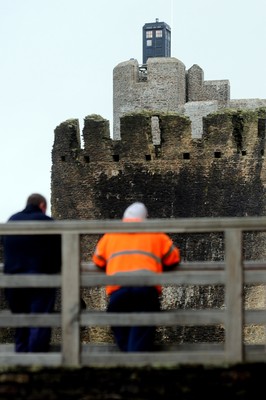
x=129, y=253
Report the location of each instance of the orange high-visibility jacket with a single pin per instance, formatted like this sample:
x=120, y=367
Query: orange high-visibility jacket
x=127, y=252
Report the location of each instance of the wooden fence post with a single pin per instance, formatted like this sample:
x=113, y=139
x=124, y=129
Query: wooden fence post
x=234, y=302
x=70, y=299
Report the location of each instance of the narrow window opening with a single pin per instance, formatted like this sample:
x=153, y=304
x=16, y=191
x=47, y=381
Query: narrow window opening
x=116, y=157
x=261, y=127
x=87, y=159
x=217, y=154
x=148, y=157
x=244, y=153
x=262, y=152
x=186, y=156
x=63, y=158
x=157, y=149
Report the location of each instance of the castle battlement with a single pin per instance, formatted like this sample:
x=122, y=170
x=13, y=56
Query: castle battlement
x=148, y=137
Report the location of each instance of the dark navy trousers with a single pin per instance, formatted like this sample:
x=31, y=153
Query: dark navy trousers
x=134, y=299
x=30, y=301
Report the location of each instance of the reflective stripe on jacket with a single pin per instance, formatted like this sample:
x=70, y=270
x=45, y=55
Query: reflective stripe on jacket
x=128, y=252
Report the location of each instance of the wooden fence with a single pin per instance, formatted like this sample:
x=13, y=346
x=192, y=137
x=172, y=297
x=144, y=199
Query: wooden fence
x=234, y=273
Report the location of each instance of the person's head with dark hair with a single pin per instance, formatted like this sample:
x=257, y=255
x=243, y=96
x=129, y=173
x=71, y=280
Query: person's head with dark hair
x=36, y=199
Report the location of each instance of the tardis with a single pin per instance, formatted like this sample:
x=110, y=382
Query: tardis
x=156, y=38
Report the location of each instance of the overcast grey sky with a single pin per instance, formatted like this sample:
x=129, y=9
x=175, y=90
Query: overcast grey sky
x=57, y=60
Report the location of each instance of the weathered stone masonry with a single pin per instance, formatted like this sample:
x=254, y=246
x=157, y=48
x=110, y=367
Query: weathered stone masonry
x=221, y=174
x=158, y=162
x=164, y=85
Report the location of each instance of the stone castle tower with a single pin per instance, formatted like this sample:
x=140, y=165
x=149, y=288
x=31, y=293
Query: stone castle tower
x=185, y=149
x=179, y=144
x=164, y=85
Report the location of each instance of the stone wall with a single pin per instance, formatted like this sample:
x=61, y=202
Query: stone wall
x=200, y=90
x=220, y=174
x=164, y=85
x=177, y=176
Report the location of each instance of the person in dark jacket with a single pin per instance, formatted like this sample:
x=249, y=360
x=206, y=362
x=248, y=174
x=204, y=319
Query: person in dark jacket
x=32, y=254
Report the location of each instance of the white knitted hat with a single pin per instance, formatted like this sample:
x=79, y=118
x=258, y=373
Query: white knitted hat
x=136, y=210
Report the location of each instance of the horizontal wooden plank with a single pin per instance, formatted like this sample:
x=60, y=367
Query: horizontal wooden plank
x=178, y=225
x=257, y=317
x=192, y=265
x=108, y=355
x=92, y=347
x=10, y=320
x=29, y=359
x=256, y=356
x=255, y=277
x=91, y=279
x=166, y=318
x=102, y=318
x=210, y=354
x=30, y=280
x=167, y=278
x=185, y=266
x=100, y=279
x=152, y=358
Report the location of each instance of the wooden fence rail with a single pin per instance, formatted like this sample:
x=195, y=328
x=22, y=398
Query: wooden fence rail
x=233, y=273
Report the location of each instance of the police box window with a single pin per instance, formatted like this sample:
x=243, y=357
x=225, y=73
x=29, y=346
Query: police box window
x=159, y=33
x=149, y=42
x=148, y=34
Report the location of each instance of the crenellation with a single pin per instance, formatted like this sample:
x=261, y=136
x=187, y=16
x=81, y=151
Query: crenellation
x=96, y=137
x=140, y=146
x=195, y=78
x=67, y=142
x=166, y=136
x=67, y=135
x=218, y=139
x=175, y=136
x=235, y=132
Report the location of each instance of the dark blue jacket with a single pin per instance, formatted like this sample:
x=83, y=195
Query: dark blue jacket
x=32, y=253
